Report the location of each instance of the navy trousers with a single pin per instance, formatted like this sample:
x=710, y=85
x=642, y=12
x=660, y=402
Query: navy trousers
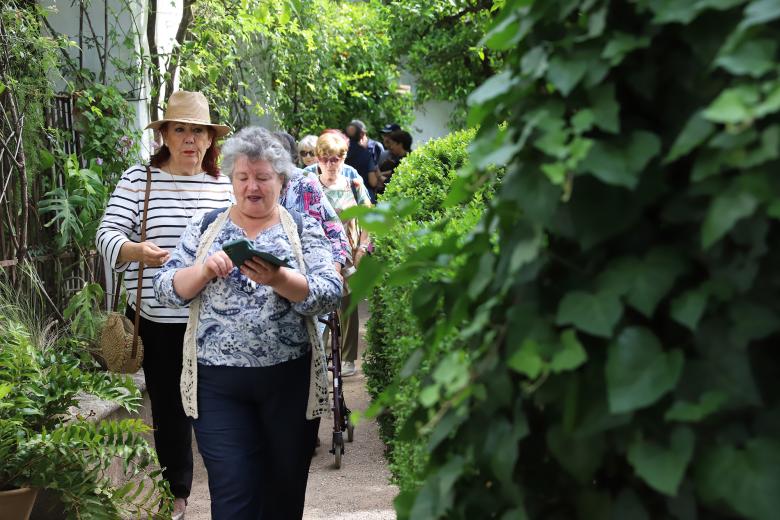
x=163, y=353
x=255, y=440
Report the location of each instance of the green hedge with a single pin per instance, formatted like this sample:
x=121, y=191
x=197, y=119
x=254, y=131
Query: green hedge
x=621, y=290
x=426, y=177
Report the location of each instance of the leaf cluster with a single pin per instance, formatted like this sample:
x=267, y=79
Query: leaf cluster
x=306, y=66
x=42, y=445
x=440, y=43
x=616, y=301
x=426, y=176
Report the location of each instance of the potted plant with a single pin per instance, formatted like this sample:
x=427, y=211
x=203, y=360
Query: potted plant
x=43, y=445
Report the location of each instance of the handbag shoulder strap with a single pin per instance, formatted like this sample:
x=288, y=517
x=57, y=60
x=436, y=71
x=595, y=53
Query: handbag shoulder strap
x=138, y=292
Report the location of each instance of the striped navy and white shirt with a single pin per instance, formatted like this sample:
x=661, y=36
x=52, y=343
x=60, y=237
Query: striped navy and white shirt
x=173, y=200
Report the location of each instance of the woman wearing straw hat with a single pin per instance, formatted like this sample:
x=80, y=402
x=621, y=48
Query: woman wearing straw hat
x=184, y=181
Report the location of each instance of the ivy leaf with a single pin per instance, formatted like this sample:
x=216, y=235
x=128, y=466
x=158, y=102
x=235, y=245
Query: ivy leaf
x=660, y=466
x=595, y=314
x=753, y=57
x=732, y=105
x=571, y=356
x=695, y=132
x=483, y=276
x=638, y=371
x=688, y=308
x=564, y=74
x=534, y=62
x=606, y=110
x=364, y=280
x=526, y=359
x=760, y=11
x=724, y=212
x=653, y=278
x=752, y=321
x=496, y=86
x=621, y=45
x=685, y=411
x=621, y=162
x=580, y=456
x=747, y=479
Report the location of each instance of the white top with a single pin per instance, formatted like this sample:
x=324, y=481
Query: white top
x=173, y=200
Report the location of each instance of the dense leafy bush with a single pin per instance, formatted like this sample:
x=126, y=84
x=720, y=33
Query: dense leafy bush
x=393, y=334
x=306, y=66
x=621, y=333
x=43, y=445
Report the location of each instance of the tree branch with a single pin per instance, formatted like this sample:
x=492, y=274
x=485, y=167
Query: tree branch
x=173, y=63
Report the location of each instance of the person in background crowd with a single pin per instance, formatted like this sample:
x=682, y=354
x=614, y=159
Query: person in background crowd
x=357, y=126
x=185, y=181
x=306, y=150
x=360, y=157
x=304, y=195
x=390, y=127
x=343, y=193
x=248, y=351
x=399, y=143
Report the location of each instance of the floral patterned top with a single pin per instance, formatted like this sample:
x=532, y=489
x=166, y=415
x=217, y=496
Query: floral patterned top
x=304, y=195
x=348, y=191
x=243, y=324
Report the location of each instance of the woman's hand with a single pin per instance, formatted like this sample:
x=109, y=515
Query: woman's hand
x=147, y=252
x=262, y=272
x=217, y=265
x=358, y=256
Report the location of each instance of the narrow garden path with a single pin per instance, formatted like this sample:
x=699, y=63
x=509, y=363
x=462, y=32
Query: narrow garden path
x=358, y=491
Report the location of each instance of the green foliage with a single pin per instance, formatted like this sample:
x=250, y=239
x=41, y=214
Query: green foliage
x=393, y=334
x=84, y=311
x=31, y=58
x=637, y=219
x=106, y=122
x=441, y=43
x=77, y=206
x=305, y=65
x=41, y=445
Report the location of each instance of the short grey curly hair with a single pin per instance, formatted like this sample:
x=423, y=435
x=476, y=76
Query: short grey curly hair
x=256, y=144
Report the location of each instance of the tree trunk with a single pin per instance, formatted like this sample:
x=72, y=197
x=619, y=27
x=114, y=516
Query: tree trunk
x=154, y=57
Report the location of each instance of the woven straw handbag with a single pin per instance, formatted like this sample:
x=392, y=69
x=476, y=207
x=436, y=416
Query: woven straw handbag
x=119, y=347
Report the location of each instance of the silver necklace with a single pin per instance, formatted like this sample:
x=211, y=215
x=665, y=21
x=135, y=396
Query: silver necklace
x=178, y=192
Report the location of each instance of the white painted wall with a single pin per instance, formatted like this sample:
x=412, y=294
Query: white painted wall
x=430, y=119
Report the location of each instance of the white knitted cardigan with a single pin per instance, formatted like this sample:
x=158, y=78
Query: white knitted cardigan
x=317, y=405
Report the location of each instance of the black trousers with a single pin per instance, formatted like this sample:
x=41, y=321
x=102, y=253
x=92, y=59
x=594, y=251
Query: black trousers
x=163, y=353
x=255, y=439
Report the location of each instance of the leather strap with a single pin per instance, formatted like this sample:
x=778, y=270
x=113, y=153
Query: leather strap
x=117, y=292
x=137, y=323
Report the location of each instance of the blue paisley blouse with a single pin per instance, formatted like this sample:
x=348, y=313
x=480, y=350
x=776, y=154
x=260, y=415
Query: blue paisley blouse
x=242, y=324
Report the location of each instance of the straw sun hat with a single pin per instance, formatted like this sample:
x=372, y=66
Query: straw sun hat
x=188, y=107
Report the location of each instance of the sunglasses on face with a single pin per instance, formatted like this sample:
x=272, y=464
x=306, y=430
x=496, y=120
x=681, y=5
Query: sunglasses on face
x=307, y=153
x=329, y=160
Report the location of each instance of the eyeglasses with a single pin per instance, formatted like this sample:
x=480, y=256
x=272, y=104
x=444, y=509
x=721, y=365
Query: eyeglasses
x=329, y=160
x=307, y=153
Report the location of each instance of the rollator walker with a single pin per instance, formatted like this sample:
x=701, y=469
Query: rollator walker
x=341, y=413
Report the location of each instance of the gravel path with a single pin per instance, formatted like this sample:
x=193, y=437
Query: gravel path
x=358, y=491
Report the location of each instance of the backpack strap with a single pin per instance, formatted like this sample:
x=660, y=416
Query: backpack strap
x=210, y=217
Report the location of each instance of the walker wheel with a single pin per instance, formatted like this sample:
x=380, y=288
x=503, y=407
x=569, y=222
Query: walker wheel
x=350, y=430
x=338, y=449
